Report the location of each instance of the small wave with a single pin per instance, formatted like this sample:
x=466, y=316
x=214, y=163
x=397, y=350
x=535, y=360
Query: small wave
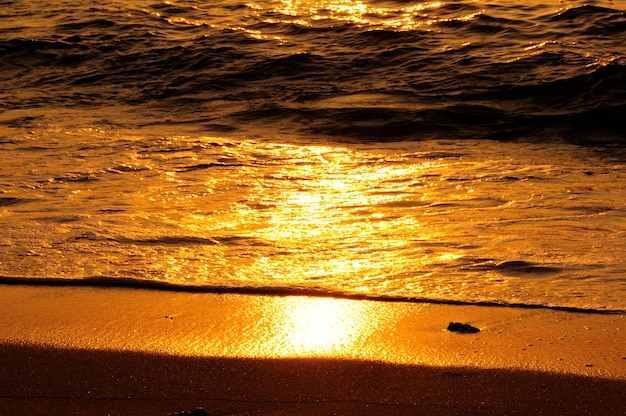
x=517, y=268
x=168, y=8
x=142, y=284
x=584, y=13
x=31, y=52
x=174, y=240
x=86, y=24
x=79, y=177
x=9, y=200
x=483, y=24
x=297, y=65
x=169, y=240
x=203, y=166
x=454, y=8
x=380, y=124
x=459, y=70
x=386, y=38
x=590, y=20
x=127, y=169
x=604, y=85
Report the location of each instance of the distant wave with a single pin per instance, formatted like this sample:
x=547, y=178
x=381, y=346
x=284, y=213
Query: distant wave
x=460, y=71
x=130, y=283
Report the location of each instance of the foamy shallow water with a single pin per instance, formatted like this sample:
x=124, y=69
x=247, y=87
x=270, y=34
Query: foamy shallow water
x=468, y=221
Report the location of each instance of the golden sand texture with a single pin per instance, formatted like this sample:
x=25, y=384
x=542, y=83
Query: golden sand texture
x=93, y=351
x=296, y=326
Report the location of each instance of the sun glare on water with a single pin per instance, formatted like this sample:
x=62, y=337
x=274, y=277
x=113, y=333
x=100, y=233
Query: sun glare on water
x=365, y=13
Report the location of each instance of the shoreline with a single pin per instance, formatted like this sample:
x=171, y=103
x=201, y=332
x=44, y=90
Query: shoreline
x=132, y=351
x=153, y=285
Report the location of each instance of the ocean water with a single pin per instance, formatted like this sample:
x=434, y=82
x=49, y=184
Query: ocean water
x=466, y=151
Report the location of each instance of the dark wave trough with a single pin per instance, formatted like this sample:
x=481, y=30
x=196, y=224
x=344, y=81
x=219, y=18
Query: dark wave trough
x=464, y=69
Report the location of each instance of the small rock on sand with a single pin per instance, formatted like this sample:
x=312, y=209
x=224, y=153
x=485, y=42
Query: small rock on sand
x=462, y=328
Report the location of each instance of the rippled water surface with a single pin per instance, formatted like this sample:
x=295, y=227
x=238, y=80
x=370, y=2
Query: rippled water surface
x=465, y=151
x=357, y=69
x=467, y=221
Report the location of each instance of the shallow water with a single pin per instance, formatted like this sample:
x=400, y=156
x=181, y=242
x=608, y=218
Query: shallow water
x=469, y=221
x=398, y=149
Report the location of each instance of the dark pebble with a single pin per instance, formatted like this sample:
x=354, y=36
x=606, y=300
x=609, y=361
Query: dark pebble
x=462, y=328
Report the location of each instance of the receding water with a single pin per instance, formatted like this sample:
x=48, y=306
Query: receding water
x=466, y=151
x=471, y=221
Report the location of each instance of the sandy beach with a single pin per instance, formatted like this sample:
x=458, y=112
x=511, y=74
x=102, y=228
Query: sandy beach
x=312, y=208
x=94, y=351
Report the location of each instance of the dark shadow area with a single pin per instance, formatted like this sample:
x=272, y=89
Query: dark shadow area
x=50, y=381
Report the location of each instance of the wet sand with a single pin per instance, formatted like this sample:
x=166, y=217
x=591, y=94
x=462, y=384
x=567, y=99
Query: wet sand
x=136, y=352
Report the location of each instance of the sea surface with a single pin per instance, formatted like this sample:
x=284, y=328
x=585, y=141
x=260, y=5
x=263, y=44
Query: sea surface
x=459, y=152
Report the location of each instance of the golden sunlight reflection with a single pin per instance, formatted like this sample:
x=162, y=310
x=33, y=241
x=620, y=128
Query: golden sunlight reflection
x=315, y=216
x=321, y=326
x=366, y=13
